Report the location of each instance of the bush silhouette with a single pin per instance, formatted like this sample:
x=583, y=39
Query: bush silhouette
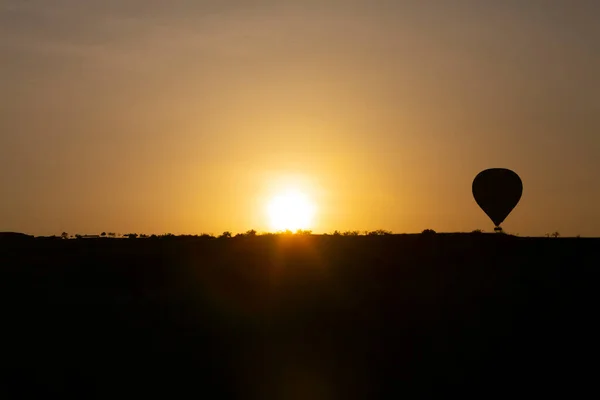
x=250, y=233
x=378, y=232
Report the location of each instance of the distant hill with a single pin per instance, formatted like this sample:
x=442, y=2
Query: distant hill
x=14, y=236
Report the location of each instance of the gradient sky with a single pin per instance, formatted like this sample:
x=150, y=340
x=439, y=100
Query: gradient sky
x=184, y=116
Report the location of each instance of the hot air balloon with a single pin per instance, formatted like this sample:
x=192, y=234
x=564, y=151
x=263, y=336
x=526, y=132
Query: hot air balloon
x=497, y=191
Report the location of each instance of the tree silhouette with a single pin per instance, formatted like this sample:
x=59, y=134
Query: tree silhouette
x=103, y=234
x=226, y=235
x=64, y=235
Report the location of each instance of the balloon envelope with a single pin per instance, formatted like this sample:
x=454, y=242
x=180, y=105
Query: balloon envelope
x=497, y=191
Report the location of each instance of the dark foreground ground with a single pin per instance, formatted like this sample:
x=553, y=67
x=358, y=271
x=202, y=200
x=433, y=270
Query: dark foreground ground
x=298, y=317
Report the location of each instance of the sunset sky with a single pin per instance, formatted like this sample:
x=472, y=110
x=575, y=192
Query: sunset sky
x=189, y=116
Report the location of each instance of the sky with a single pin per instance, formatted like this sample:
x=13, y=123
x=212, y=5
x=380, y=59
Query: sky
x=187, y=116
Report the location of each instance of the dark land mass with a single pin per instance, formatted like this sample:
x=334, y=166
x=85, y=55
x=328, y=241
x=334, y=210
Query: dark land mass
x=298, y=317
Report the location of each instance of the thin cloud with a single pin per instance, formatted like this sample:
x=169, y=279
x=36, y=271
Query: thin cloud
x=121, y=39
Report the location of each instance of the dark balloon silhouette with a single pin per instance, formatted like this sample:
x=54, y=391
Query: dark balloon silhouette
x=497, y=191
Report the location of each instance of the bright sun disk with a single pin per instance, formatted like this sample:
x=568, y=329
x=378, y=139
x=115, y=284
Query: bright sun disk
x=290, y=211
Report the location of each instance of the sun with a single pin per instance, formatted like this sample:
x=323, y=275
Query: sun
x=291, y=210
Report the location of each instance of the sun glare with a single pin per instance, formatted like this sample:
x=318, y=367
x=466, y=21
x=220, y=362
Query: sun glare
x=291, y=210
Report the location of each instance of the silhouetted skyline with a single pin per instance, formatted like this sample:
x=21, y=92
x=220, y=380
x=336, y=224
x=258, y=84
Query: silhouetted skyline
x=189, y=116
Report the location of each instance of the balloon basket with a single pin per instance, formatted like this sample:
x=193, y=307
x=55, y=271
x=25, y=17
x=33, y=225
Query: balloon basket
x=498, y=229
